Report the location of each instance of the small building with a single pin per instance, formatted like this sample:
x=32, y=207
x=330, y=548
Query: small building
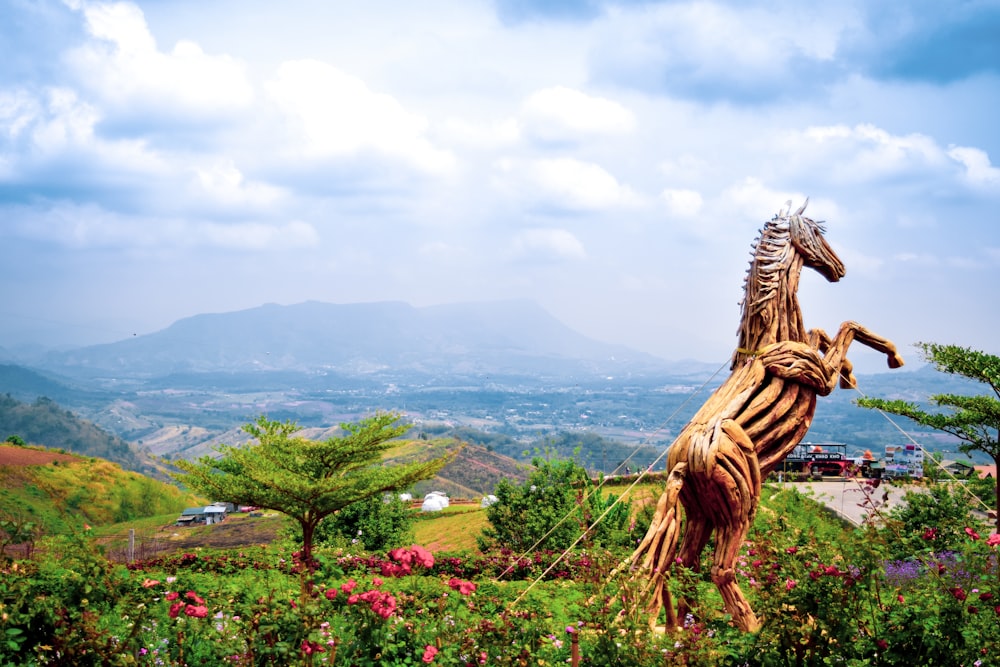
x=202, y=516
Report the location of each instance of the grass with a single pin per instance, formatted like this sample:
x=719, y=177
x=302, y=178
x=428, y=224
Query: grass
x=450, y=531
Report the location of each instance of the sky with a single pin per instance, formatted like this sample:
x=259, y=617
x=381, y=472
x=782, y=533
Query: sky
x=612, y=161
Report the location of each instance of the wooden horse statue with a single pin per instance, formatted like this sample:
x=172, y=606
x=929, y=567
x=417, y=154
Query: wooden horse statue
x=753, y=421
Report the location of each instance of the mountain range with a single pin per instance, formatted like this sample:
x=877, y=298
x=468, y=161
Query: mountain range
x=510, y=338
x=506, y=367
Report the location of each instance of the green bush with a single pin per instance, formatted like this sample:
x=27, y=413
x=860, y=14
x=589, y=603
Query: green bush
x=374, y=524
x=551, y=509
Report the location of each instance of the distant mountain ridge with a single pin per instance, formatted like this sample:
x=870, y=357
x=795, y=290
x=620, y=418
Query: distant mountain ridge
x=507, y=338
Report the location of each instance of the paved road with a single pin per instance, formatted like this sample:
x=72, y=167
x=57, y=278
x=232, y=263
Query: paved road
x=847, y=497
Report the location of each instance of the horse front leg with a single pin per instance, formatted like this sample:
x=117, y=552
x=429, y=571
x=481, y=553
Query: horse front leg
x=835, y=352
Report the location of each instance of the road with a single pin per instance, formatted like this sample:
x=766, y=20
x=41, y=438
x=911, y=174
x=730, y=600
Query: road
x=847, y=497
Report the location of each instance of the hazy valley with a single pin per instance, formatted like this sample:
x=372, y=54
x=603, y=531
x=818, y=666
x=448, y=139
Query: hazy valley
x=505, y=376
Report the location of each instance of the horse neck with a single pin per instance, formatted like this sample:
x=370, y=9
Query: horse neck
x=773, y=316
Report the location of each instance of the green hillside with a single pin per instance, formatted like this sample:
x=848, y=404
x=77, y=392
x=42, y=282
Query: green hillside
x=45, y=423
x=58, y=491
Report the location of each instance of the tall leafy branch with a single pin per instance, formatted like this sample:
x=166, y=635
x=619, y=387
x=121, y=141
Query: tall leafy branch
x=305, y=479
x=975, y=420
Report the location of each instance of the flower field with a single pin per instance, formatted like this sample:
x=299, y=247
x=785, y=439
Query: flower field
x=828, y=596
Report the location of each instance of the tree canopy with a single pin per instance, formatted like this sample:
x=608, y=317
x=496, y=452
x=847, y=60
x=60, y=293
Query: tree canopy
x=307, y=479
x=975, y=420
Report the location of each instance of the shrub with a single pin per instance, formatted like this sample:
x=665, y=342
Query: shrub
x=373, y=524
x=551, y=509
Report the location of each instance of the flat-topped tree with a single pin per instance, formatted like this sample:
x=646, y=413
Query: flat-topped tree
x=308, y=480
x=975, y=420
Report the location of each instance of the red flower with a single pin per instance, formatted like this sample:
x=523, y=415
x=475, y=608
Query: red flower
x=429, y=653
x=349, y=586
x=331, y=593
x=191, y=595
x=986, y=596
x=993, y=539
x=172, y=595
x=958, y=593
x=971, y=533
x=882, y=644
x=930, y=534
x=353, y=599
x=175, y=609
x=310, y=647
x=901, y=599
x=791, y=550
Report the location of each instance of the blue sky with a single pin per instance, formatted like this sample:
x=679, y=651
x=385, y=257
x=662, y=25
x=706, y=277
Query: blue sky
x=611, y=160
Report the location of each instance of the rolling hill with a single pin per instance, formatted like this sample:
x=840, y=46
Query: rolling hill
x=59, y=492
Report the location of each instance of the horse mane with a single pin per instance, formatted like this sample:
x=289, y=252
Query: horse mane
x=771, y=253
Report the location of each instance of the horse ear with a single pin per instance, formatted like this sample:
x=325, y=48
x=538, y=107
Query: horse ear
x=803, y=209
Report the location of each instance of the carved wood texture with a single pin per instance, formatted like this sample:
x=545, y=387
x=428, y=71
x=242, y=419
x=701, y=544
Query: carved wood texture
x=751, y=422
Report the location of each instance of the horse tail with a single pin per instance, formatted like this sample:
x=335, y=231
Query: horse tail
x=657, y=551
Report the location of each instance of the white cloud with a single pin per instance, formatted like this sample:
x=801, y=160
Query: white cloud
x=547, y=244
x=128, y=72
x=485, y=135
x=223, y=183
x=334, y=114
x=50, y=136
x=683, y=203
x=715, y=50
x=565, y=184
x=563, y=114
x=751, y=196
x=868, y=152
x=90, y=226
x=978, y=170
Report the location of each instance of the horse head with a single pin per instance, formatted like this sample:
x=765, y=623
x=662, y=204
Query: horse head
x=807, y=238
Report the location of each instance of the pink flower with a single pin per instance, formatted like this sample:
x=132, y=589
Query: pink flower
x=993, y=539
x=376, y=582
x=149, y=583
x=353, y=599
x=463, y=587
x=172, y=595
x=175, y=609
x=191, y=595
x=199, y=611
x=349, y=586
x=429, y=653
x=331, y=593
x=792, y=550
x=790, y=584
x=422, y=556
x=971, y=533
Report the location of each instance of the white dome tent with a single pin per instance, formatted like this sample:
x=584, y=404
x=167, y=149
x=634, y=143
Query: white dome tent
x=435, y=501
